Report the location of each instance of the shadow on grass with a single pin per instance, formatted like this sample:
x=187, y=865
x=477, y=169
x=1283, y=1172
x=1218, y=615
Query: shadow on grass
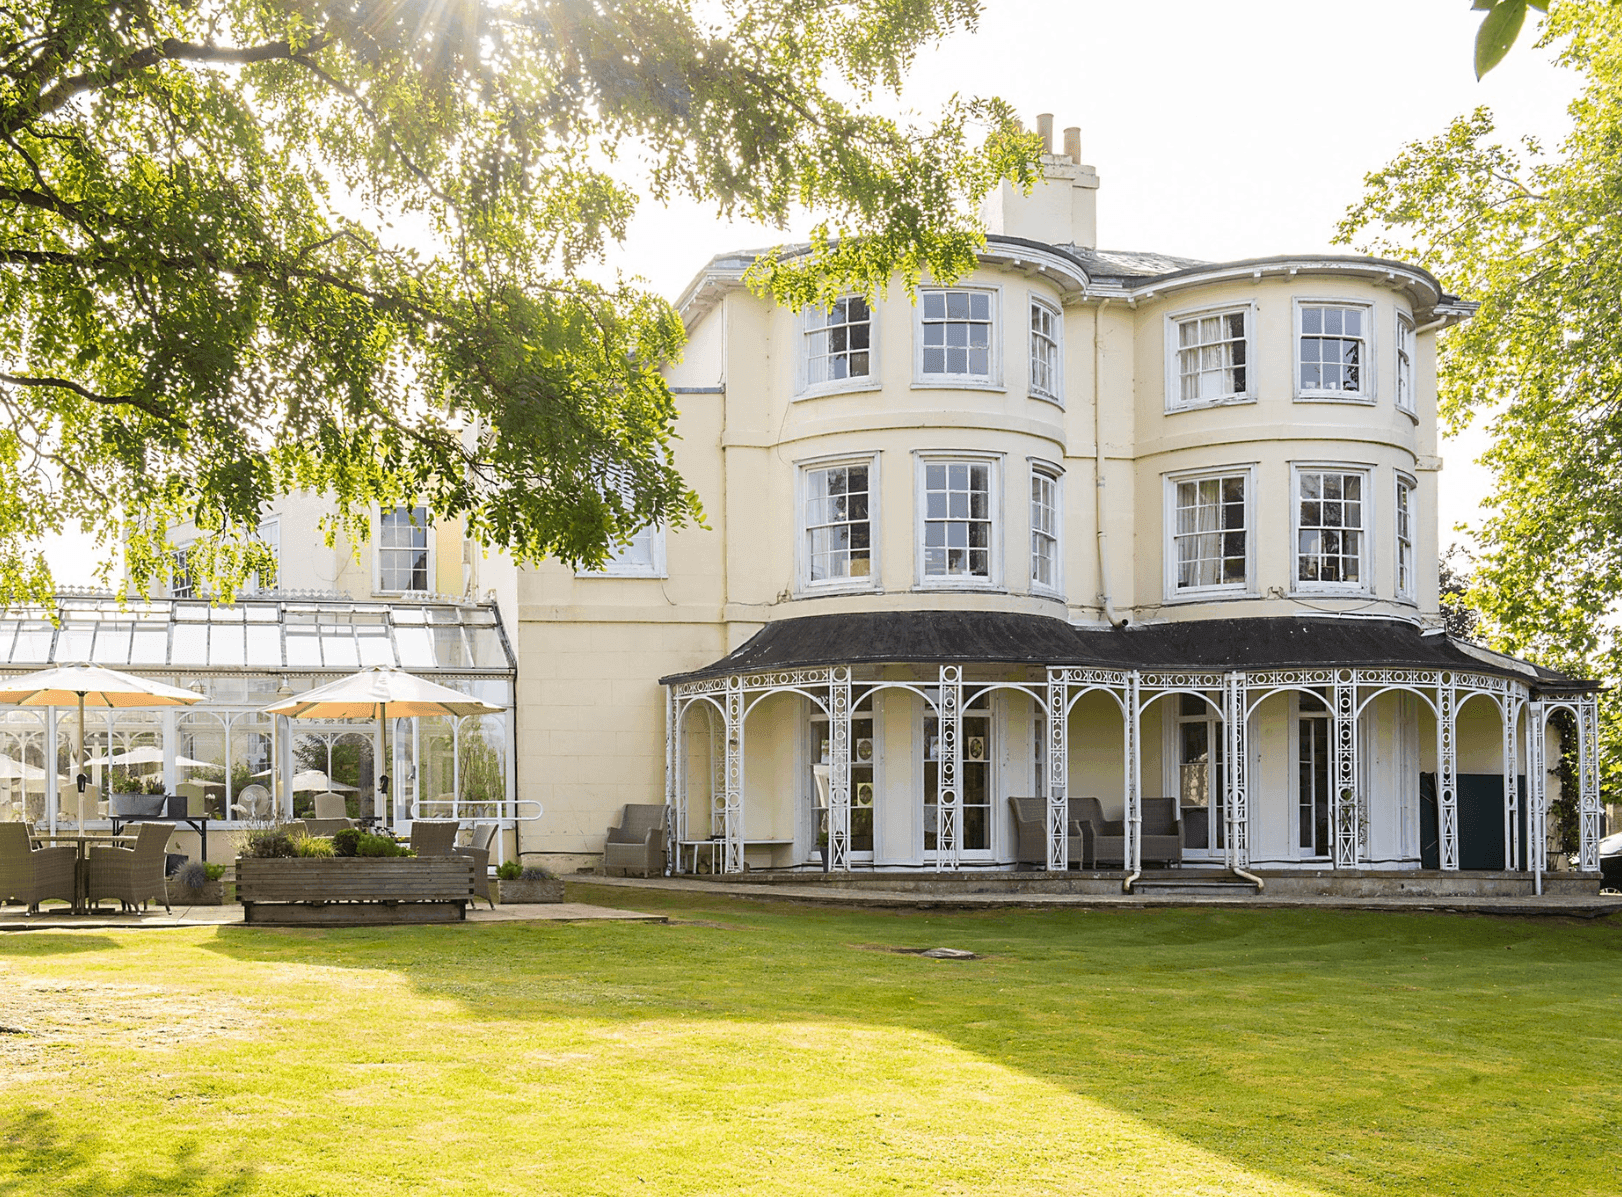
x=38, y=1155
x=1350, y=1052
x=23, y=943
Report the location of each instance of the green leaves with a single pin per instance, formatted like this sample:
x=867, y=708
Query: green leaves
x=251, y=247
x=1499, y=29
x=1536, y=239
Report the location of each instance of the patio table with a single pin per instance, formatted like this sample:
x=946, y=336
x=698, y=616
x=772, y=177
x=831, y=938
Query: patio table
x=81, y=874
x=198, y=823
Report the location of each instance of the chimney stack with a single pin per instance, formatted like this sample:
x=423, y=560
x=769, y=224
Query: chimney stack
x=1062, y=209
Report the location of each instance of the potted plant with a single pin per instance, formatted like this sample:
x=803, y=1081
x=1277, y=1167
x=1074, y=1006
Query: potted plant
x=198, y=884
x=518, y=884
x=131, y=797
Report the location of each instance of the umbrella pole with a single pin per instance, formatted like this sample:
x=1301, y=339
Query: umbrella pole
x=77, y=785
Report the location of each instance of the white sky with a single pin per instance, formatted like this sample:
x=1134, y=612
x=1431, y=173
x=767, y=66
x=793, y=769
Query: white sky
x=1219, y=131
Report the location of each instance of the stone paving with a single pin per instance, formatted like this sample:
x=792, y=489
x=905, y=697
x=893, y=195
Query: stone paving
x=946, y=899
x=56, y=918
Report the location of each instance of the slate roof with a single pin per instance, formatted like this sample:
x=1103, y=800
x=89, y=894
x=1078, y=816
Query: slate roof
x=1001, y=637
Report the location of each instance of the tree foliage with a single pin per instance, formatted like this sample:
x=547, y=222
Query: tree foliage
x=1535, y=237
x=1499, y=29
x=356, y=247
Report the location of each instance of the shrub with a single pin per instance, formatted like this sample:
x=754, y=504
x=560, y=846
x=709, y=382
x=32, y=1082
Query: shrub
x=267, y=843
x=537, y=873
x=508, y=870
x=192, y=875
x=344, y=841
x=379, y=845
x=214, y=871
x=317, y=846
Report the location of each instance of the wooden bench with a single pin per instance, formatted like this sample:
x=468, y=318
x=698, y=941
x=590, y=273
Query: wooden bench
x=346, y=891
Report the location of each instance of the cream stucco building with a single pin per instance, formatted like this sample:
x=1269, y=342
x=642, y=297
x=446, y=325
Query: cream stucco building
x=1082, y=525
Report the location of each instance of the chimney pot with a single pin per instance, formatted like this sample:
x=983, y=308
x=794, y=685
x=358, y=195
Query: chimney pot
x=1072, y=143
x=1044, y=129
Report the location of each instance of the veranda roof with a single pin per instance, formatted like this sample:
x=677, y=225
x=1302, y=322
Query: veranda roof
x=1009, y=638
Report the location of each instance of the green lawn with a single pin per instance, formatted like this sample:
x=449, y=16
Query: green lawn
x=768, y=1049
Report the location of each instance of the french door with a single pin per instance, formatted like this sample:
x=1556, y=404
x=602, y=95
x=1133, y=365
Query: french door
x=863, y=758
x=975, y=797
x=1201, y=780
x=1312, y=777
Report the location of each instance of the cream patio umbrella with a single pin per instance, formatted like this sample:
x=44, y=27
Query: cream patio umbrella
x=309, y=779
x=382, y=693
x=90, y=685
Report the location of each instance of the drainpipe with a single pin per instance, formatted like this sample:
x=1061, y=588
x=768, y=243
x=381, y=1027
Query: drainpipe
x=1098, y=473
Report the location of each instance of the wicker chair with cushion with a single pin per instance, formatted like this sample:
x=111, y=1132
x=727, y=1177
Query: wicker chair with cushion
x=484, y=834
x=132, y=875
x=1108, y=836
x=1031, y=824
x=434, y=837
x=637, y=845
x=30, y=875
x=1162, y=831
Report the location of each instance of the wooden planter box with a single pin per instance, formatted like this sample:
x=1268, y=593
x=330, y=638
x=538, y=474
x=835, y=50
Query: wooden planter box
x=521, y=891
x=210, y=893
x=342, y=891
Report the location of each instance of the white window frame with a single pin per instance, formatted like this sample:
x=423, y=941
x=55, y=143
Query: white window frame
x=178, y=556
x=1225, y=590
x=922, y=459
x=1405, y=483
x=1055, y=475
x=272, y=524
x=377, y=550
x=614, y=566
x=1057, y=314
x=965, y=382
x=1174, y=375
x=1407, y=341
x=1368, y=392
x=804, y=388
x=1365, y=557
x=803, y=469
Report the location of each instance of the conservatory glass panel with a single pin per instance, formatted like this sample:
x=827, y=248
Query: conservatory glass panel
x=112, y=644
x=264, y=645
x=189, y=645
x=73, y=642
x=225, y=645
x=34, y=638
x=149, y=645
x=416, y=646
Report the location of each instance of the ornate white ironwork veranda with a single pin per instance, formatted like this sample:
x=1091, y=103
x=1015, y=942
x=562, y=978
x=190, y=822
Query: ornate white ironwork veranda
x=1523, y=711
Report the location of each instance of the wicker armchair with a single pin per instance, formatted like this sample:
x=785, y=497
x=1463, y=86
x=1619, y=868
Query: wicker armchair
x=132, y=875
x=1031, y=826
x=637, y=845
x=434, y=837
x=484, y=835
x=29, y=876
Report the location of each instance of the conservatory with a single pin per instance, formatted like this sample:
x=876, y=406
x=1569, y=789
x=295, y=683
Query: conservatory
x=241, y=658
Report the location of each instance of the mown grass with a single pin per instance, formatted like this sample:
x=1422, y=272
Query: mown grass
x=765, y=1049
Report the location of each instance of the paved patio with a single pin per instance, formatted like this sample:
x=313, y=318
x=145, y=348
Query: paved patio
x=13, y=918
x=945, y=899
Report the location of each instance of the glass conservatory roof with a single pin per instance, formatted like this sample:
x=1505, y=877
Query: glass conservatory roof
x=327, y=635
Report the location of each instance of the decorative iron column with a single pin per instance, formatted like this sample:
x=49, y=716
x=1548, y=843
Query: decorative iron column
x=1509, y=708
x=1588, y=806
x=1344, y=796
x=1134, y=771
x=839, y=769
x=1447, y=780
x=1537, y=789
x=715, y=802
x=732, y=809
x=949, y=767
x=1056, y=761
x=1237, y=805
x=674, y=759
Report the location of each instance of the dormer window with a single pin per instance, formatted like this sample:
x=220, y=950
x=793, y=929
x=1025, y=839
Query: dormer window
x=838, y=343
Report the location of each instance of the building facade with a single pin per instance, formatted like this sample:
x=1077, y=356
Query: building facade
x=1082, y=524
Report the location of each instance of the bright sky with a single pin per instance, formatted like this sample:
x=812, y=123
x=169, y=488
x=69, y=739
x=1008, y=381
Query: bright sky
x=1219, y=130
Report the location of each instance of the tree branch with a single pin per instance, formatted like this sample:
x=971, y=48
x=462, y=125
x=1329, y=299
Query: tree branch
x=155, y=410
